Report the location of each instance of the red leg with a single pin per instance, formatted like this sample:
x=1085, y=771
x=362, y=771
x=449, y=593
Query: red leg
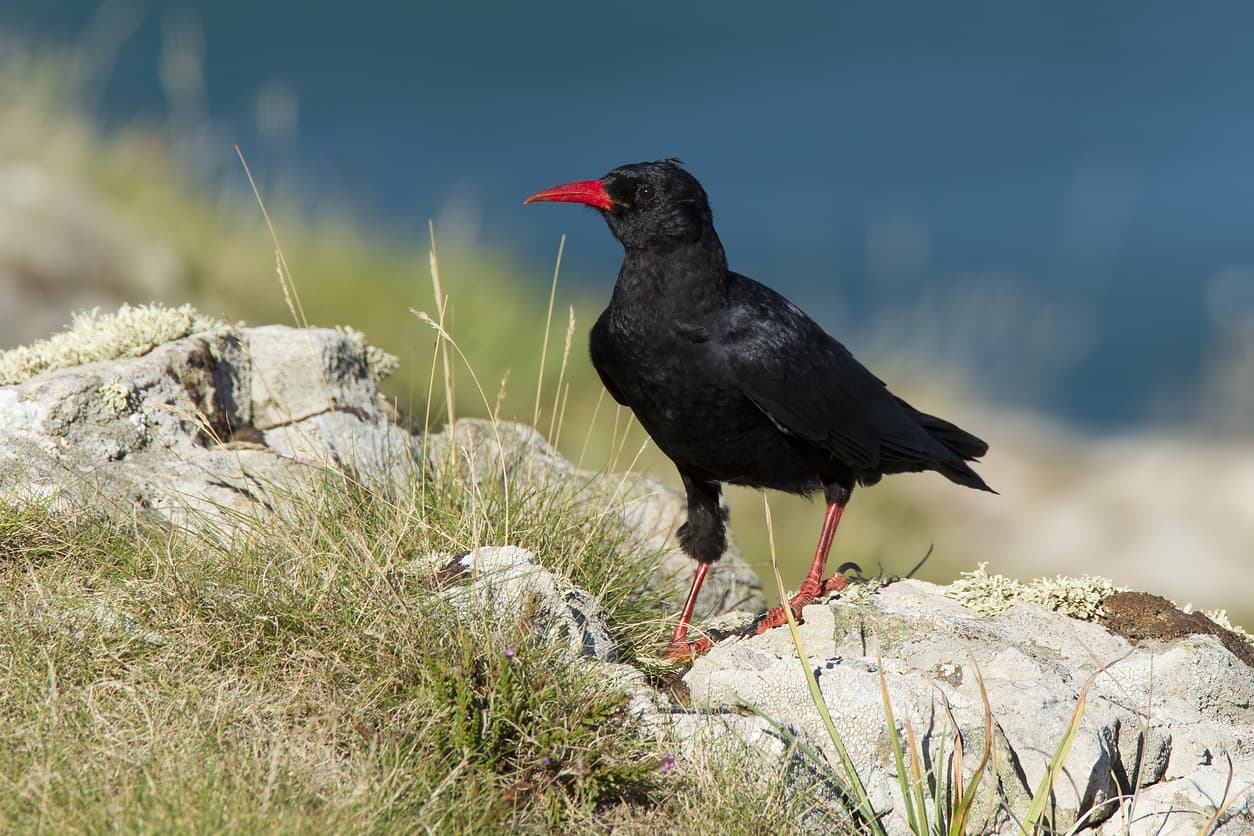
x=813, y=586
x=680, y=648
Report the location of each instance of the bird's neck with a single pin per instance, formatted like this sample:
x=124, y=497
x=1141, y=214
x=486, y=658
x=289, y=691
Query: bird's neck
x=694, y=272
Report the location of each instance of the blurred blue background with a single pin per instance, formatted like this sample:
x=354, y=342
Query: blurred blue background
x=1058, y=198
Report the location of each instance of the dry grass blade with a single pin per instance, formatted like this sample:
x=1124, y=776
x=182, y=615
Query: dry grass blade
x=1227, y=802
x=587, y=438
x=620, y=440
x=555, y=417
x=290, y=296
x=962, y=810
x=441, y=308
x=958, y=809
x=561, y=414
x=447, y=340
x=548, y=325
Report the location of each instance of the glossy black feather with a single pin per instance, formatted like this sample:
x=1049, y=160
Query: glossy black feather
x=731, y=380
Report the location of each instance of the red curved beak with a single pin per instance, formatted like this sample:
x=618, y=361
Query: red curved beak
x=588, y=192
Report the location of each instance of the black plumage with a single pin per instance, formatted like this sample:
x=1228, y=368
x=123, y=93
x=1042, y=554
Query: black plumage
x=733, y=382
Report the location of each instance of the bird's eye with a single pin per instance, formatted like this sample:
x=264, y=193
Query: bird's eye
x=645, y=192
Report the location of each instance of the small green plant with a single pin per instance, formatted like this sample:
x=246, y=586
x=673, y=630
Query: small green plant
x=514, y=709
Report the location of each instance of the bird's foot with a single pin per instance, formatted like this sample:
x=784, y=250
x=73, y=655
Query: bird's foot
x=835, y=583
x=778, y=617
x=681, y=650
x=806, y=596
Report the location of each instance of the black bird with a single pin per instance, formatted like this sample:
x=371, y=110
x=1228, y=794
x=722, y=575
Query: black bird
x=735, y=383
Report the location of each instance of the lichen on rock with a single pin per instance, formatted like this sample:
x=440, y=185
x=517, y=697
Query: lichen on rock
x=379, y=363
x=92, y=336
x=986, y=594
x=118, y=395
x=1081, y=597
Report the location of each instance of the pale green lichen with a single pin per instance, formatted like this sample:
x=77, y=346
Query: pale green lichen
x=118, y=396
x=987, y=594
x=131, y=332
x=1081, y=598
x=134, y=331
x=379, y=364
x=1077, y=597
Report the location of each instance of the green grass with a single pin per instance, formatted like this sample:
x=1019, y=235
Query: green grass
x=312, y=676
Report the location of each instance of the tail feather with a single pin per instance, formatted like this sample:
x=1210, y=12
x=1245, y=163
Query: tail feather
x=955, y=439
x=912, y=441
x=956, y=470
x=962, y=444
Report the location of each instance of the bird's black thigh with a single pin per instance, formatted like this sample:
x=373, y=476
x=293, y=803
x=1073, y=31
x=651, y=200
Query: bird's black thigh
x=837, y=493
x=704, y=536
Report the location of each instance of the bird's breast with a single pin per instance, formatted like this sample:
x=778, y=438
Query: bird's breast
x=661, y=363
x=678, y=382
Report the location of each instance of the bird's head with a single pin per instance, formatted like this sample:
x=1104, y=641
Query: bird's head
x=645, y=204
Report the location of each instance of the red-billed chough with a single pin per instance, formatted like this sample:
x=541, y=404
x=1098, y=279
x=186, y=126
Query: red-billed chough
x=735, y=383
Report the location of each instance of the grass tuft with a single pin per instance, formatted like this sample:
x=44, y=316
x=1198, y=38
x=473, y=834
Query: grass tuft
x=311, y=673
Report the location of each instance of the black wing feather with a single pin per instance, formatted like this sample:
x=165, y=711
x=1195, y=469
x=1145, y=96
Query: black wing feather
x=809, y=385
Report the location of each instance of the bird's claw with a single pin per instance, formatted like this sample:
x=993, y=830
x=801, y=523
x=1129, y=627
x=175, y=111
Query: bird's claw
x=686, y=651
x=835, y=583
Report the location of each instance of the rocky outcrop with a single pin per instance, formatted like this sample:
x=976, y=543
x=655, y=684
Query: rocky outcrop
x=1161, y=722
x=201, y=432
x=1165, y=739
x=207, y=432
x=502, y=582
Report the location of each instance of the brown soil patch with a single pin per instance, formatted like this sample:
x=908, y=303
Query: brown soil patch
x=1139, y=615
